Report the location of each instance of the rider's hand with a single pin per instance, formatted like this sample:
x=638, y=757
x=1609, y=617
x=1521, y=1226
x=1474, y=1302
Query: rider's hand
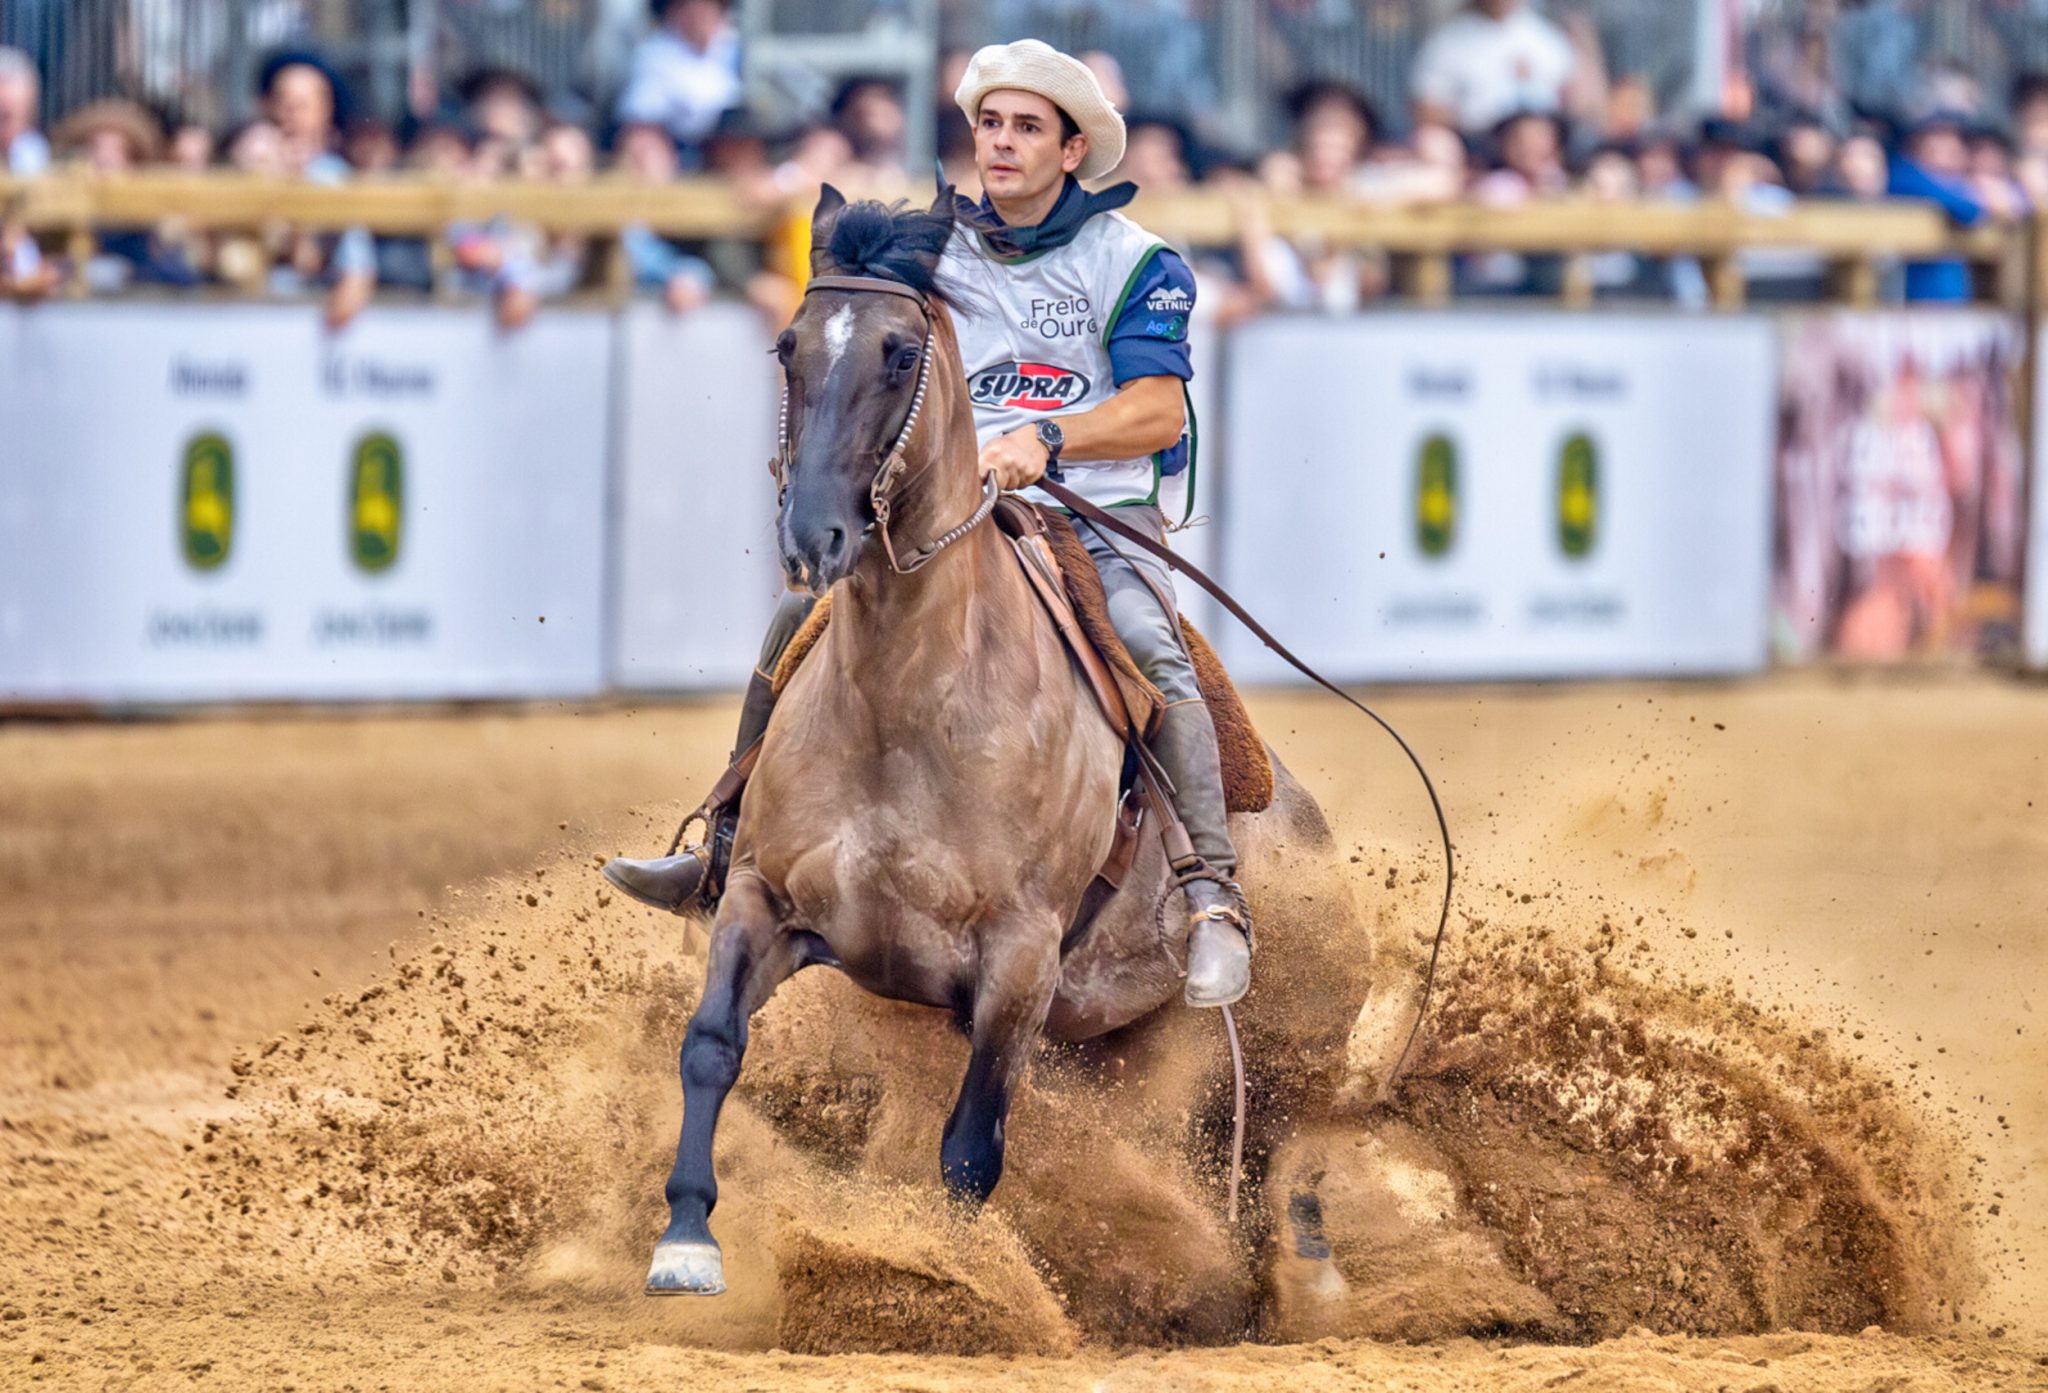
x=1017, y=458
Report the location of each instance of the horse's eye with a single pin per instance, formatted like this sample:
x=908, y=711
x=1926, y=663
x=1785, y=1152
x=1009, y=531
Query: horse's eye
x=785, y=344
x=906, y=359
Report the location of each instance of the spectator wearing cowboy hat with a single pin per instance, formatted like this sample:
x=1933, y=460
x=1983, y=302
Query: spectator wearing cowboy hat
x=112, y=137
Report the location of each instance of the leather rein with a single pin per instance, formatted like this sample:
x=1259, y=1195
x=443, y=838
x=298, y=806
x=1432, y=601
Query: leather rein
x=1100, y=519
x=883, y=487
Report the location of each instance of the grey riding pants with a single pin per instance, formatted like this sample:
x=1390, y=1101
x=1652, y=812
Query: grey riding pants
x=1149, y=629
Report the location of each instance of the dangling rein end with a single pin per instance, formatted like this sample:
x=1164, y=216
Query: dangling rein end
x=1237, y=1115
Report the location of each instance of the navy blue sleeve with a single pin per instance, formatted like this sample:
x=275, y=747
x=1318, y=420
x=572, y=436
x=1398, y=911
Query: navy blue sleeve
x=1149, y=337
x=1909, y=180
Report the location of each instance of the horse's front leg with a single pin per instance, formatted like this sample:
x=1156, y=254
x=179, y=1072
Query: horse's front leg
x=1019, y=971
x=751, y=955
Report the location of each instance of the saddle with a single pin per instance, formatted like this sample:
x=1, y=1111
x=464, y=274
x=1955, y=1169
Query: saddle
x=1063, y=576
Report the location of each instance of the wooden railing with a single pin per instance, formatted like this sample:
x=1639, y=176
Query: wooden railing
x=1855, y=240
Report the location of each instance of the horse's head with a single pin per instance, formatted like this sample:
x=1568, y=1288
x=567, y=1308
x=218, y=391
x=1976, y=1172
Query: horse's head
x=853, y=360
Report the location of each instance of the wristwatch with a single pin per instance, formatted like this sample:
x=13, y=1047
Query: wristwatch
x=1054, y=439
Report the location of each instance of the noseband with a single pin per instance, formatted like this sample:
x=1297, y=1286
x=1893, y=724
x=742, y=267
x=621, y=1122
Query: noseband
x=882, y=487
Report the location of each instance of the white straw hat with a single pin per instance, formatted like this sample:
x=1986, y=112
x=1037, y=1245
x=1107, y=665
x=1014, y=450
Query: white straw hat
x=1030, y=65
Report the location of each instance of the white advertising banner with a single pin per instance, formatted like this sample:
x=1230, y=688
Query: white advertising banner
x=1422, y=497
x=230, y=503
x=696, y=574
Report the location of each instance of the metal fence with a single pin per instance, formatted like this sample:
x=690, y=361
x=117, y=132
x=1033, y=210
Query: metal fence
x=1893, y=57
x=1218, y=65
x=199, y=59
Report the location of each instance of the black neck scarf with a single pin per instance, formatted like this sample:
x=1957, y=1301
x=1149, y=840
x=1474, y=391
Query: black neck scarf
x=1064, y=223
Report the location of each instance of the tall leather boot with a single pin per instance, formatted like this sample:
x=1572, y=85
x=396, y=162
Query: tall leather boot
x=696, y=875
x=1219, y=957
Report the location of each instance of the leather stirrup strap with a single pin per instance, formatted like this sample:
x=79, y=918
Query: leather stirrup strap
x=1158, y=792
x=735, y=777
x=728, y=788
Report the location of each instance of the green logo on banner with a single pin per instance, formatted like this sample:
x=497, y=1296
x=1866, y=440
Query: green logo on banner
x=376, y=502
x=1436, y=495
x=206, y=502
x=1578, y=495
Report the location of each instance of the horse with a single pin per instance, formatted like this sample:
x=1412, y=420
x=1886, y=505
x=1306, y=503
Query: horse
x=937, y=789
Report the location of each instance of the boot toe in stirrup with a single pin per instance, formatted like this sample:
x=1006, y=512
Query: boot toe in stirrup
x=673, y=883
x=1219, y=960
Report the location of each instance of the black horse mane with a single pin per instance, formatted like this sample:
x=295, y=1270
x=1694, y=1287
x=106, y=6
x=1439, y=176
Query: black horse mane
x=895, y=242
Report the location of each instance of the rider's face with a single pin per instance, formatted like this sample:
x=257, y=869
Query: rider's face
x=1017, y=146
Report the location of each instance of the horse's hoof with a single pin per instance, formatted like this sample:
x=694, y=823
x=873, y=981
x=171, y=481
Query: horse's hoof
x=686, y=1269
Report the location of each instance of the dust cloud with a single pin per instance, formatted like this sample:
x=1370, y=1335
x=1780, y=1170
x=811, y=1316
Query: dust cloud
x=1610, y=1153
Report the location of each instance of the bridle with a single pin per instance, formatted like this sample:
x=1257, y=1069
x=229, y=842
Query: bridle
x=882, y=488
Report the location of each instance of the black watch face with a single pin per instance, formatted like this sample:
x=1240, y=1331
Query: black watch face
x=1050, y=433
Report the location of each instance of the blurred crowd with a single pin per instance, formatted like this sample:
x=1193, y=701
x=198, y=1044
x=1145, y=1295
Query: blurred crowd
x=1506, y=106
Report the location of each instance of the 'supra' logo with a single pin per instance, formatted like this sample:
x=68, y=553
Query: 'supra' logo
x=1578, y=495
x=1029, y=386
x=1436, y=495
x=206, y=501
x=376, y=502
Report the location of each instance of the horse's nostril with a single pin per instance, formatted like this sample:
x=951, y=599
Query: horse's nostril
x=835, y=543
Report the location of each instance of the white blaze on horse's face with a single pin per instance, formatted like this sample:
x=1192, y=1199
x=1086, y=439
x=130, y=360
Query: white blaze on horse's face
x=824, y=503
x=838, y=334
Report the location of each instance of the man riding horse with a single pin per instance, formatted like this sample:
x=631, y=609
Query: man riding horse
x=1073, y=322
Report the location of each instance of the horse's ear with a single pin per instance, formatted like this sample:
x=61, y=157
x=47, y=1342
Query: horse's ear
x=946, y=205
x=830, y=201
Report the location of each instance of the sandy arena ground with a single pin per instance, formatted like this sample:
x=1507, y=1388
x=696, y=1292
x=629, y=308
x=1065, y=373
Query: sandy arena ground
x=324, y=1063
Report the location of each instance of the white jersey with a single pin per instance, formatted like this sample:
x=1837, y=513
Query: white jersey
x=1034, y=336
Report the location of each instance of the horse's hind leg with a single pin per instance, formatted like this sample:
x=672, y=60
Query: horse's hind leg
x=1020, y=968
x=751, y=955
